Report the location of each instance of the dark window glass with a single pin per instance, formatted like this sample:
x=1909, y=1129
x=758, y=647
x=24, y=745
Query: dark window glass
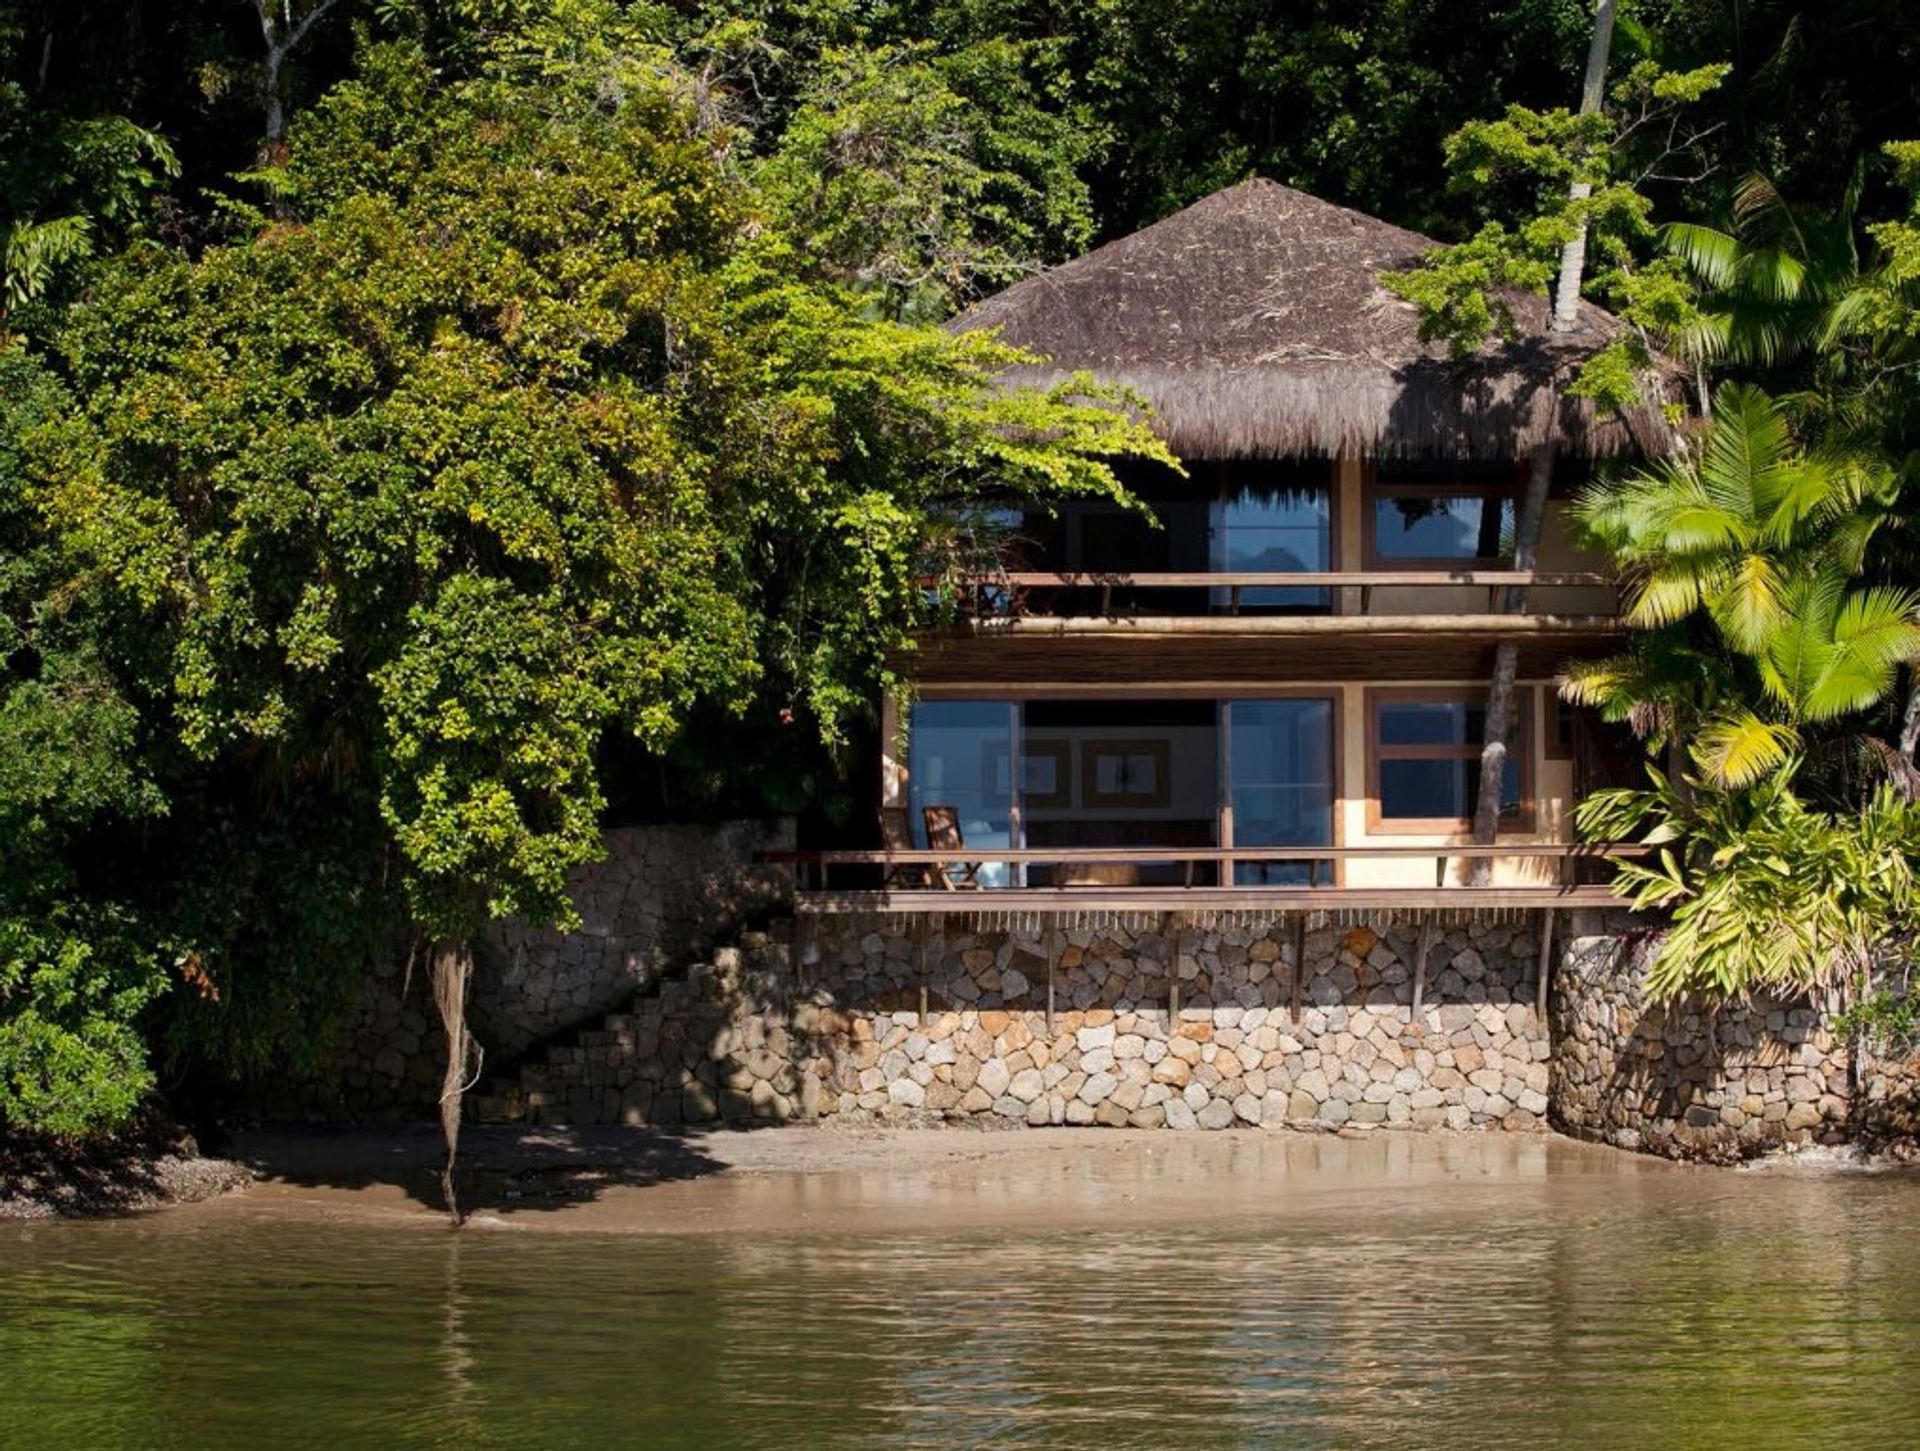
x=1280, y=530
x=1439, y=790
x=1432, y=723
x=1416, y=527
x=1281, y=784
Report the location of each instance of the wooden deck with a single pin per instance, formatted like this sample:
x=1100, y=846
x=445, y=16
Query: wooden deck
x=1057, y=901
x=815, y=894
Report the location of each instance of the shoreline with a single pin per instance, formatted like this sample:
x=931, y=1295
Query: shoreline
x=835, y=1179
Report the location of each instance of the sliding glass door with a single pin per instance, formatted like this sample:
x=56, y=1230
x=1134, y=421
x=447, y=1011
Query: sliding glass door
x=1280, y=784
x=960, y=757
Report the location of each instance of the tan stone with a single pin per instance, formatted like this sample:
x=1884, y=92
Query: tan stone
x=1171, y=1070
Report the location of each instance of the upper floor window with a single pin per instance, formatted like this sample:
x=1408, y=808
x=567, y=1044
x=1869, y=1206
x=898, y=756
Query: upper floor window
x=1440, y=515
x=1275, y=517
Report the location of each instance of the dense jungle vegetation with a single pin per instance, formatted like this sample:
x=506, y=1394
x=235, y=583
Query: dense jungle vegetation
x=424, y=423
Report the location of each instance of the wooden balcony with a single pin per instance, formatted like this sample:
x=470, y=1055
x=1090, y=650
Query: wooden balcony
x=1041, y=630
x=1020, y=595
x=947, y=881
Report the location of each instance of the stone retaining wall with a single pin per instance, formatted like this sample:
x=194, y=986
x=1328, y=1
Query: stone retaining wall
x=1687, y=1083
x=1134, y=1037
x=663, y=895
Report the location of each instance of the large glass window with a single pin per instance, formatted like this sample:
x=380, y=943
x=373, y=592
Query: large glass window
x=960, y=754
x=1280, y=756
x=1276, y=530
x=1424, y=753
x=1415, y=524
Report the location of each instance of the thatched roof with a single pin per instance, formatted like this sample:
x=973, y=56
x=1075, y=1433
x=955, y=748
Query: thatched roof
x=1256, y=324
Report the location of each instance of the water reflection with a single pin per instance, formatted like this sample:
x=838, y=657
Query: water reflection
x=1473, y=1294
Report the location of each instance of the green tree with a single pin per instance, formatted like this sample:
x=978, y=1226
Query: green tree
x=526, y=430
x=79, y=964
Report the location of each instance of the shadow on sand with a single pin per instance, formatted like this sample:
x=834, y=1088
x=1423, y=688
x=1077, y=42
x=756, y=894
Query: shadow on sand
x=500, y=1168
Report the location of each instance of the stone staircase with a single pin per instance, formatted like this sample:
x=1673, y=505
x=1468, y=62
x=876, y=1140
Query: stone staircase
x=726, y=1039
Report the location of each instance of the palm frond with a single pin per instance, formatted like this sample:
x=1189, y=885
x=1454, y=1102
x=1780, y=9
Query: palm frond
x=1738, y=749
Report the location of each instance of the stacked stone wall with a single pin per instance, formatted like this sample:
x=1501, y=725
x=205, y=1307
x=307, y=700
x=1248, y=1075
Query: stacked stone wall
x=662, y=896
x=1687, y=1082
x=1136, y=1035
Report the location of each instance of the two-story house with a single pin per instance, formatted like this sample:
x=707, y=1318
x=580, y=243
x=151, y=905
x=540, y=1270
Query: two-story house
x=1274, y=692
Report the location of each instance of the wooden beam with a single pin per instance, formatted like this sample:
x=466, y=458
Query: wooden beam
x=1498, y=627
x=1294, y=579
x=1299, y=960
x=1546, y=946
x=1053, y=955
x=922, y=929
x=1174, y=925
x=1429, y=933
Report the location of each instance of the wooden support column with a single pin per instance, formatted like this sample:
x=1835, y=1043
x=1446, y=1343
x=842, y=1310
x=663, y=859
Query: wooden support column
x=1429, y=933
x=1053, y=955
x=1299, y=945
x=1546, y=946
x=1172, y=928
x=920, y=956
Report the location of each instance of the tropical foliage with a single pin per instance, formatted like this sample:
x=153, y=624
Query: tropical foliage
x=421, y=418
x=1767, y=894
x=1761, y=540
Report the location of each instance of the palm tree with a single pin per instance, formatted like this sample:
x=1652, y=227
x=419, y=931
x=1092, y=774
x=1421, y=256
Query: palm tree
x=1759, y=541
x=1770, y=280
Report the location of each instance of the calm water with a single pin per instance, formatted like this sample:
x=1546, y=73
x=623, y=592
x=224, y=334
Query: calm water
x=1520, y=1306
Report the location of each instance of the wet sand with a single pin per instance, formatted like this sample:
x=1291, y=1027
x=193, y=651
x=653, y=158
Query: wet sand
x=810, y=1180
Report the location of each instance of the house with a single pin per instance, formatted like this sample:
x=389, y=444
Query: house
x=1274, y=694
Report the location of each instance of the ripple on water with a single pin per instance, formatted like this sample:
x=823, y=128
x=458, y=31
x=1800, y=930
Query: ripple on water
x=1671, y=1311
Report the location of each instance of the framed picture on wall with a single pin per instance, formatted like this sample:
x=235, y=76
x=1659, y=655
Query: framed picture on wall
x=1129, y=774
x=1046, y=775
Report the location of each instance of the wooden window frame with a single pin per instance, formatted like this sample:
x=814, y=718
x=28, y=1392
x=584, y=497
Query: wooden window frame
x=1524, y=817
x=1554, y=745
x=1374, y=490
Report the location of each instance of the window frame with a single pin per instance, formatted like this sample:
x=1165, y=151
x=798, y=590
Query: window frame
x=1377, y=489
x=1555, y=744
x=1521, y=748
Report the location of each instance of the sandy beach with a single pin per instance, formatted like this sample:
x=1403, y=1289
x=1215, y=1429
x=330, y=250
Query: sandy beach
x=875, y=1180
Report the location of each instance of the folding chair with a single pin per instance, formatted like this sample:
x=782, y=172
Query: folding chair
x=943, y=834
x=896, y=835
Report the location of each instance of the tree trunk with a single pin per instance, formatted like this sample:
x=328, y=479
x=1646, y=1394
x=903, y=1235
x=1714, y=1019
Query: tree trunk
x=1573, y=256
x=1910, y=722
x=1526, y=543
x=281, y=34
x=452, y=971
x=1506, y=662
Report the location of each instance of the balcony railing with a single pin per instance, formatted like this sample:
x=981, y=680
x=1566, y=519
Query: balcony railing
x=948, y=880
x=1022, y=593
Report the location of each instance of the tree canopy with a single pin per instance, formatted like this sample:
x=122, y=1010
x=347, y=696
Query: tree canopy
x=413, y=410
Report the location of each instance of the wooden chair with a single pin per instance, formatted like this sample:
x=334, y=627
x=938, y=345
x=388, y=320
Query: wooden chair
x=897, y=835
x=943, y=834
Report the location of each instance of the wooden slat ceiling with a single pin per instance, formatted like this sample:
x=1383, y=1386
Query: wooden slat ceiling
x=1136, y=660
